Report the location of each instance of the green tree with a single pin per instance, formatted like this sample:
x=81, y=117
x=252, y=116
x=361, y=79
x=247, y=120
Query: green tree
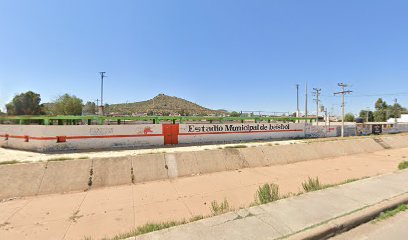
x=349, y=117
x=380, y=105
x=382, y=111
x=27, y=103
x=67, y=105
x=235, y=114
x=89, y=108
x=363, y=115
x=395, y=110
x=380, y=116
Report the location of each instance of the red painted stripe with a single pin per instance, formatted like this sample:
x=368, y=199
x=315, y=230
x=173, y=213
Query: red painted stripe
x=143, y=135
x=205, y=133
x=115, y=136
x=86, y=137
x=43, y=138
x=14, y=136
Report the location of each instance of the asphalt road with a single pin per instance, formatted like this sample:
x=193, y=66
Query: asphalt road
x=394, y=228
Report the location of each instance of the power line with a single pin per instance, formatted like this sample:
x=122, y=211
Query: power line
x=375, y=95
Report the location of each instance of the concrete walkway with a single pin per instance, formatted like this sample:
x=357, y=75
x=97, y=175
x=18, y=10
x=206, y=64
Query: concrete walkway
x=288, y=216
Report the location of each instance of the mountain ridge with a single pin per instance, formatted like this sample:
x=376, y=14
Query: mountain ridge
x=161, y=104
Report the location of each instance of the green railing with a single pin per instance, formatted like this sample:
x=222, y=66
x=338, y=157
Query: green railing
x=100, y=120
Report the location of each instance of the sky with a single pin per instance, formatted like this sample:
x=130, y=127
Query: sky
x=222, y=54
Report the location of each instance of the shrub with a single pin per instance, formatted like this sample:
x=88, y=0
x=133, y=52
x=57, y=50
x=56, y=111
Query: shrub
x=237, y=146
x=403, y=165
x=267, y=193
x=218, y=209
x=9, y=162
x=312, y=185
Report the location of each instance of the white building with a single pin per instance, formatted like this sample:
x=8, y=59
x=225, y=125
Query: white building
x=402, y=119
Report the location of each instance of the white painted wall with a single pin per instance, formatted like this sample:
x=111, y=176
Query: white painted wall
x=86, y=136
x=82, y=137
x=206, y=133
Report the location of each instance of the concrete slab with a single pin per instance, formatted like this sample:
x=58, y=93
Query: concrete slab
x=254, y=156
x=66, y=176
x=47, y=209
x=154, y=192
x=233, y=159
x=273, y=156
x=149, y=167
x=210, y=161
x=111, y=172
x=9, y=208
x=106, y=200
x=185, y=163
x=396, y=141
x=161, y=212
x=44, y=231
x=119, y=221
x=19, y=180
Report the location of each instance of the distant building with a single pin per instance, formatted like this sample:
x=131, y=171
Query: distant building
x=402, y=119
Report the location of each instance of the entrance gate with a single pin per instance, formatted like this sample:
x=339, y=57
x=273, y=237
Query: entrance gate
x=170, y=132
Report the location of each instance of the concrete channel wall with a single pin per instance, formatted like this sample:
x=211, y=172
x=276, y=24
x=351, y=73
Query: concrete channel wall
x=30, y=179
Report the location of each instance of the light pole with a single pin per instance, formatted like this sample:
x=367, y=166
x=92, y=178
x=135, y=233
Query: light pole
x=101, y=112
x=297, y=100
x=317, y=93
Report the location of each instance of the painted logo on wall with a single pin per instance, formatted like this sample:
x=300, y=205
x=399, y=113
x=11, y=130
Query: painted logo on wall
x=193, y=128
x=147, y=130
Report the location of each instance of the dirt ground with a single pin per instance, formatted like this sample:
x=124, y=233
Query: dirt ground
x=109, y=211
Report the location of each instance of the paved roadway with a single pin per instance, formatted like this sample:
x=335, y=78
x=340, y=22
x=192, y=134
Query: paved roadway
x=394, y=228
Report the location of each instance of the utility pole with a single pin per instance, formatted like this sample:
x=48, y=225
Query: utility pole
x=297, y=101
x=102, y=77
x=317, y=94
x=396, y=113
x=101, y=112
x=343, y=92
x=367, y=116
x=325, y=120
x=306, y=113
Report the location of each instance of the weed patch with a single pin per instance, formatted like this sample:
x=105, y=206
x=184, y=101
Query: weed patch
x=59, y=159
x=9, y=162
x=403, y=165
x=221, y=208
x=312, y=184
x=149, y=227
x=196, y=218
x=267, y=193
x=391, y=213
x=237, y=146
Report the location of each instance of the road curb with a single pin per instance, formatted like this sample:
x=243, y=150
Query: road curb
x=352, y=220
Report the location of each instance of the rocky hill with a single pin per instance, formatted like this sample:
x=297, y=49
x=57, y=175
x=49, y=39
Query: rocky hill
x=162, y=105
